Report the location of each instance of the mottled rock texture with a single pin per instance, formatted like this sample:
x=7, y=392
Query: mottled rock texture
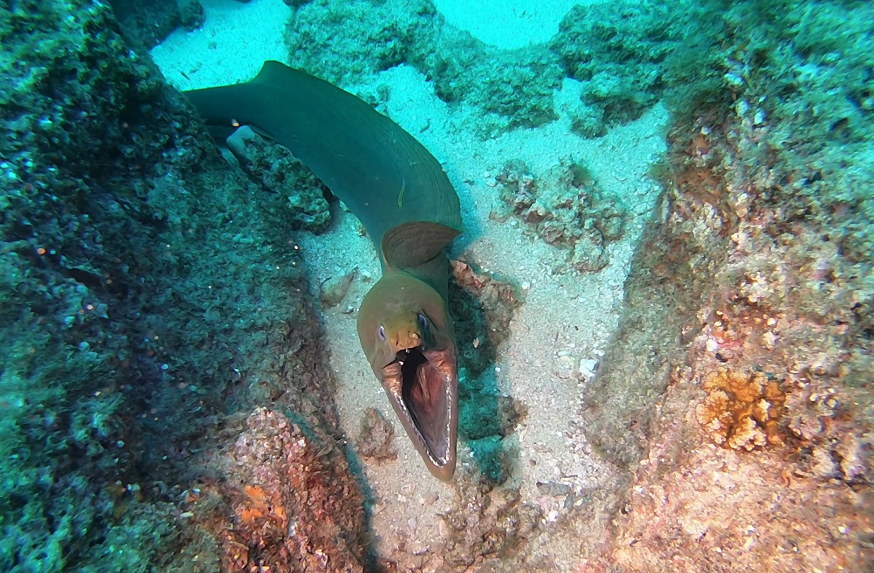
x=149, y=298
x=565, y=208
x=347, y=42
x=147, y=23
x=293, y=502
x=740, y=406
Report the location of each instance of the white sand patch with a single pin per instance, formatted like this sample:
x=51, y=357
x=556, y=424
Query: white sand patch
x=230, y=47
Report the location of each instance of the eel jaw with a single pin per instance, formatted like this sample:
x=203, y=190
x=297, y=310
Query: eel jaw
x=422, y=386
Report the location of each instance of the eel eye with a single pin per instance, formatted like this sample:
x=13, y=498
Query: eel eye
x=423, y=321
x=381, y=332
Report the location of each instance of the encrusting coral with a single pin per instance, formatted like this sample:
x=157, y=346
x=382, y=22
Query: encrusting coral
x=741, y=411
x=294, y=504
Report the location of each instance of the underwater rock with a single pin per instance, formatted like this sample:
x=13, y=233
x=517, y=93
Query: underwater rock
x=376, y=438
x=589, y=256
x=191, y=14
x=91, y=255
x=566, y=208
x=347, y=42
x=759, y=344
x=295, y=504
x=628, y=55
x=617, y=50
x=483, y=306
x=147, y=24
x=148, y=293
x=587, y=120
x=334, y=290
x=274, y=167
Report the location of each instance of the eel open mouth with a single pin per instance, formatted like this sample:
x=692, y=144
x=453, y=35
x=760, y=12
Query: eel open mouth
x=422, y=387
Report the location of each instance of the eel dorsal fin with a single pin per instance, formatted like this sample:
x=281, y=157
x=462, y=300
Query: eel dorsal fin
x=381, y=172
x=413, y=243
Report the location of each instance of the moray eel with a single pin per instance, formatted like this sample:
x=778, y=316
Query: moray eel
x=403, y=197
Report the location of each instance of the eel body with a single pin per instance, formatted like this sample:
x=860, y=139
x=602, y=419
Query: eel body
x=403, y=197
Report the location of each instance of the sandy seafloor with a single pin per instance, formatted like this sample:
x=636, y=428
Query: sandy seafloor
x=565, y=317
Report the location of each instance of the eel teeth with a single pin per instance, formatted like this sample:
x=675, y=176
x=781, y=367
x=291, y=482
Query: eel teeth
x=422, y=386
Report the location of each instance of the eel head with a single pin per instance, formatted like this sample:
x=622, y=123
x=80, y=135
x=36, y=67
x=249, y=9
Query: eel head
x=408, y=338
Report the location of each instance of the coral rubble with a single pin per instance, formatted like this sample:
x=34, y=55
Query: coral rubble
x=565, y=208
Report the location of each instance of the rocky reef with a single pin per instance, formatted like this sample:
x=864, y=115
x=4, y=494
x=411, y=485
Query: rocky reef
x=740, y=407
x=165, y=398
x=151, y=301
x=349, y=43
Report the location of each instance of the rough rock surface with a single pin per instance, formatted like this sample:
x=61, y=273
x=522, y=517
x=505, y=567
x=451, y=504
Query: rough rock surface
x=293, y=502
x=346, y=42
x=146, y=24
x=744, y=428
x=566, y=208
x=149, y=297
